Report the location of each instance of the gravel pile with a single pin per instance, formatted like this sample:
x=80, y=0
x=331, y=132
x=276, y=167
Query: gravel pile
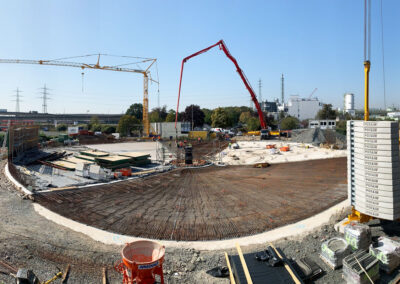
x=317, y=136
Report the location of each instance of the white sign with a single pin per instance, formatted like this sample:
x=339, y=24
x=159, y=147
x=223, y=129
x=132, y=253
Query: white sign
x=73, y=130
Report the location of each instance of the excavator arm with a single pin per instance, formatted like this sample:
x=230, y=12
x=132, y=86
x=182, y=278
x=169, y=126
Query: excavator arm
x=222, y=46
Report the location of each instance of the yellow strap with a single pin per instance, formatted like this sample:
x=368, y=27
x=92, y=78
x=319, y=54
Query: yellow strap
x=294, y=277
x=244, y=265
x=230, y=269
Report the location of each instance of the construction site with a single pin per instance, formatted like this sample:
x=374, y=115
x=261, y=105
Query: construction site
x=132, y=198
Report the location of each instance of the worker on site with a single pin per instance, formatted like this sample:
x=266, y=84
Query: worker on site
x=230, y=145
x=199, y=140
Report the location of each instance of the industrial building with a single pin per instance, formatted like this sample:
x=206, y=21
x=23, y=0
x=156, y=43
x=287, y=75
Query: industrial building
x=323, y=124
x=303, y=108
x=269, y=106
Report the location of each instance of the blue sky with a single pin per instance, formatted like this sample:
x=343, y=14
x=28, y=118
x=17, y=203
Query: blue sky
x=314, y=43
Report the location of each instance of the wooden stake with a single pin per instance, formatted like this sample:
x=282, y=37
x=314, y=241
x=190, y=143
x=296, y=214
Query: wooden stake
x=65, y=276
x=104, y=275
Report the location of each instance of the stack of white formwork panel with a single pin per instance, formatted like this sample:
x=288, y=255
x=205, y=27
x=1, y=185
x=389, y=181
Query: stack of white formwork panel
x=373, y=166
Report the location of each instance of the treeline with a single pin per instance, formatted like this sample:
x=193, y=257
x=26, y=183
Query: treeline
x=224, y=117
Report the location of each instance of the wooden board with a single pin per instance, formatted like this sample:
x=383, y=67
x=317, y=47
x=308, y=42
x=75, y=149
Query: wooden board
x=113, y=159
x=76, y=160
x=64, y=164
x=135, y=154
x=93, y=153
x=87, y=158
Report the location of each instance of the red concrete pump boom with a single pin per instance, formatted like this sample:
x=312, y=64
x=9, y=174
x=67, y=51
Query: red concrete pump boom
x=222, y=46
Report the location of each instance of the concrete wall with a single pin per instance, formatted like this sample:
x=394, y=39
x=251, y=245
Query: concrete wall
x=167, y=129
x=302, y=108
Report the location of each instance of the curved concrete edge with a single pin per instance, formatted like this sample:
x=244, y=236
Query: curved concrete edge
x=289, y=231
x=15, y=182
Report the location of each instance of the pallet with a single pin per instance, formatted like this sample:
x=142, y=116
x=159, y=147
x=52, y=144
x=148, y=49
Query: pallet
x=328, y=263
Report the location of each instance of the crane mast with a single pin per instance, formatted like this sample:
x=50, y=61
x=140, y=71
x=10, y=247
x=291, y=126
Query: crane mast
x=246, y=82
x=97, y=66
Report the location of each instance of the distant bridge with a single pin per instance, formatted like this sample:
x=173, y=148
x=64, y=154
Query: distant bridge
x=60, y=118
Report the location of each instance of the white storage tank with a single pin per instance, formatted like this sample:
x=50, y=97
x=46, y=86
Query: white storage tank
x=349, y=103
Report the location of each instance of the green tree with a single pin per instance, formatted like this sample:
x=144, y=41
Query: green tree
x=207, y=115
x=94, y=120
x=127, y=124
x=170, y=116
x=289, y=123
x=136, y=110
x=194, y=112
x=245, y=116
x=233, y=115
x=154, y=116
x=219, y=118
x=326, y=112
x=341, y=127
x=62, y=127
x=108, y=129
x=96, y=127
x=158, y=114
x=253, y=123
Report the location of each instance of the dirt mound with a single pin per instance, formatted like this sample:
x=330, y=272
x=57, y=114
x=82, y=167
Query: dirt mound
x=317, y=136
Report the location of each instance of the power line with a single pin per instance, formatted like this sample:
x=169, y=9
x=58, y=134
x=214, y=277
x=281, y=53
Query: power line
x=367, y=30
x=383, y=59
x=44, y=97
x=282, y=90
x=17, y=99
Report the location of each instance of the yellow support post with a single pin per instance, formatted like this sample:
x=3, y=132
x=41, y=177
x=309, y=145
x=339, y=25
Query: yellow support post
x=355, y=215
x=367, y=66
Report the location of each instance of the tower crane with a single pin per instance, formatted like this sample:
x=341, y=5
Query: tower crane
x=312, y=93
x=246, y=82
x=145, y=72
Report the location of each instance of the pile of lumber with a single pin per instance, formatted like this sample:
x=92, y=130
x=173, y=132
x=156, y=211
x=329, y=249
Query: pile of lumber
x=113, y=162
x=137, y=158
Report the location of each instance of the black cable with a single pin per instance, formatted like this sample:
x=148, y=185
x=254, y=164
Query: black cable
x=383, y=59
x=365, y=30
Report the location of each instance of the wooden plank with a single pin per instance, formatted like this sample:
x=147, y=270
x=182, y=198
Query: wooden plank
x=244, y=265
x=292, y=274
x=64, y=164
x=94, y=153
x=230, y=269
x=104, y=275
x=63, y=188
x=65, y=275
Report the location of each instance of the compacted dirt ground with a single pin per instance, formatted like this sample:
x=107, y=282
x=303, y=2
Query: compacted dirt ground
x=206, y=203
